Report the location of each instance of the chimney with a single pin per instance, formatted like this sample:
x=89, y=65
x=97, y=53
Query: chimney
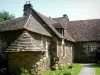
x=27, y=9
x=49, y=17
x=65, y=16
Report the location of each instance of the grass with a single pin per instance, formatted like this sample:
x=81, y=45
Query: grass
x=97, y=68
x=77, y=68
x=64, y=69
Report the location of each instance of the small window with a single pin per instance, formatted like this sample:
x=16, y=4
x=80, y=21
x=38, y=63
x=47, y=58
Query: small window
x=92, y=48
x=60, y=30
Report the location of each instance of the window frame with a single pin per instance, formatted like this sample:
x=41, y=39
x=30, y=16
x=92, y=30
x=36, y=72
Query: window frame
x=92, y=47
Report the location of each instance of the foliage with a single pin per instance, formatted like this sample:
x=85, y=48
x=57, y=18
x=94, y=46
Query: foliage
x=4, y=15
x=21, y=71
x=57, y=72
x=3, y=71
x=97, y=68
x=65, y=70
x=24, y=72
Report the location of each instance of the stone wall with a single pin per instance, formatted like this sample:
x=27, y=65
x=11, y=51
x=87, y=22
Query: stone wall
x=26, y=50
x=6, y=38
x=33, y=62
x=66, y=56
x=82, y=52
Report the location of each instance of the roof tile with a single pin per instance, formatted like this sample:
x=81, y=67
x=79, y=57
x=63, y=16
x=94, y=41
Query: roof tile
x=29, y=23
x=82, y=30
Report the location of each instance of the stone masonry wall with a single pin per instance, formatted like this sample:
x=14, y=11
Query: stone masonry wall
x=33, y=62
x=82, y=52
x=26, y=42
x=20, y=55
x=68, y=56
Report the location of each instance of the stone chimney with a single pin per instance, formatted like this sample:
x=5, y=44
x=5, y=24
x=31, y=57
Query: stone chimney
x=27, y=9
x=66, y=17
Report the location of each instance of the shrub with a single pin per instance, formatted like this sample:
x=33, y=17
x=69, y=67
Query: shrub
x=24, y=72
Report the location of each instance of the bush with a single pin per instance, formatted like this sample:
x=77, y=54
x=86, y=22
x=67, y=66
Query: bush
x=63, y=70
x=72, y=69
x=24, y=72
x=21, y=71
x=3, y=71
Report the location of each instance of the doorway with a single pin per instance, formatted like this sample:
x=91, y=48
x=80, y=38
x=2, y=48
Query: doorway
x=98, y=55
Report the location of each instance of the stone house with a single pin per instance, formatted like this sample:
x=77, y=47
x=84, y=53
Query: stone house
x=33, y=41
x=86, y=35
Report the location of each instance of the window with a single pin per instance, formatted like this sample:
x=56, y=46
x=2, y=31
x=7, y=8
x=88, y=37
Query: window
x=60, y=30
x=92, y=48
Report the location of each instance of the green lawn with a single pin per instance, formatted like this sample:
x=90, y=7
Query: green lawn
x=97, y=68
x=77, y=68
x=64, y=69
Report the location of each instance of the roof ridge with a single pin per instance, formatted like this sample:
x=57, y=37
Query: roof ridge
x=56, y=17
x=84, y=20
x=50, y=26
x=27, y=21
x=33, y=25
x=52, y=20
x=46, y=17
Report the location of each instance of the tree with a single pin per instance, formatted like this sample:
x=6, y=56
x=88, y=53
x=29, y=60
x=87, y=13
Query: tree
x=4, y=15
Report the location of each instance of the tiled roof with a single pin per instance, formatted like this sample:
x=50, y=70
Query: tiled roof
x=50, y=23
x=28, y=23
x=57, y=25
x=64, y=21
x=68, y=37
x=83, y=30
x=58, y=19
x=13, y=24
x=34, y=26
